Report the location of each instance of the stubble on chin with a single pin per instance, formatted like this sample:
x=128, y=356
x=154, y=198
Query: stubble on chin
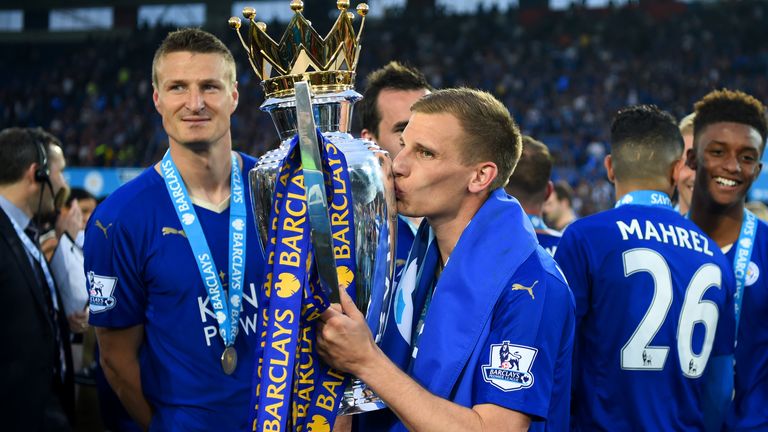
x=198, y=147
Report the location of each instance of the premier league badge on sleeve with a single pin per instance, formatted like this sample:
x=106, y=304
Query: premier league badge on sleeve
x=100, y=290
x=510, y=366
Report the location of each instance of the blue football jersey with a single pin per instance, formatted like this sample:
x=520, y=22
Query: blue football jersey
x=141, y=270
x=548, y=239
x=654, y=302
x=532, y=329
x=749, y=410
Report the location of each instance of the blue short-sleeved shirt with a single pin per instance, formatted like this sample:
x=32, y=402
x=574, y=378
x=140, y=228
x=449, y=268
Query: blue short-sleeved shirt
x=141, y=270
x=536, y=317
x=500, y=325
x=548, y=239
x=654, y=301
x=749, y=410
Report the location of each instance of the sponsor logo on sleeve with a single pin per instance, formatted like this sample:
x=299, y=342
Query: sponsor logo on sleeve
x=103, y=228
x=101, y=290
x=169, y=231
x=529, y=289
x=510, y=366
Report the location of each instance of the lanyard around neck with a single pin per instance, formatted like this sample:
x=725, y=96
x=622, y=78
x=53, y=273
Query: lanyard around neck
x=226, y=308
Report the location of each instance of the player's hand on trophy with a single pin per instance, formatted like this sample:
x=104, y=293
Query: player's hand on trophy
x=344, y=340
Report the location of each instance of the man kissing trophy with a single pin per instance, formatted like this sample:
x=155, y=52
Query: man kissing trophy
x=325, y=207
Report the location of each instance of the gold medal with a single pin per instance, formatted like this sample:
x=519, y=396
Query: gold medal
x=229, y=360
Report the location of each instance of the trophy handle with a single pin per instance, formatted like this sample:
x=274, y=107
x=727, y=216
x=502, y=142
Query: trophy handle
x=317, y=202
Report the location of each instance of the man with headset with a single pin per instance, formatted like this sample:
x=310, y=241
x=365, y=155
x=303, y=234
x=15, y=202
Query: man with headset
x=36, y=362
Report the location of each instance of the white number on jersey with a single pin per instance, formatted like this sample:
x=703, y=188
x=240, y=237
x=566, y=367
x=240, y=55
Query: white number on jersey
x=636, y=353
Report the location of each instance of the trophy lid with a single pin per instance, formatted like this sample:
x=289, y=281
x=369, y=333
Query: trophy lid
x=328, y=63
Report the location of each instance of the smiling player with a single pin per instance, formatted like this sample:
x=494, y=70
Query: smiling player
x=729, y=138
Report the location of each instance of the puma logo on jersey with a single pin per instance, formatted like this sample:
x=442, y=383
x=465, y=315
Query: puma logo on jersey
x=169, y=231
x=103, y=228
x=518, y=287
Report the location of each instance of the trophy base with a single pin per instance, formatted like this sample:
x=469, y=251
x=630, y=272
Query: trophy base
x=358, y=398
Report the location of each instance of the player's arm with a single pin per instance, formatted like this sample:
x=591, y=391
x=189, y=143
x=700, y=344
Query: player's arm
x=717, y=390
x=718, y=375
x=573, y=260
x=120, y=361
x=345, y=342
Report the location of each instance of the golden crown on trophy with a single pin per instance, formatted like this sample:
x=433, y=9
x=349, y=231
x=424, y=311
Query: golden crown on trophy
x=302, y=54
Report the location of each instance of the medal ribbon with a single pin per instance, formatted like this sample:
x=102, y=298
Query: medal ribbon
x=294, y=390
x=647, y=198
x=741, y=259
x=227, y=310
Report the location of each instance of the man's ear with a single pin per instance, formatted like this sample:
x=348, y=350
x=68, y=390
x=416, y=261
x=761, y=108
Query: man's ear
x=484, y=174
x=155, y=97
x=366, y=134
x=608, y=162
x=673, y=172
x=550, y=189
x=678, y=167
x=235, y=97
x=29, y=173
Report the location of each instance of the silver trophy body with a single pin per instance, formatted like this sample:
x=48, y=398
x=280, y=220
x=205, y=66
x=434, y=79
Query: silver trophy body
x=375, y=212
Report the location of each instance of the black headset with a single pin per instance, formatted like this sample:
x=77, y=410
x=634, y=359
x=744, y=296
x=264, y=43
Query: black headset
x=43, y=171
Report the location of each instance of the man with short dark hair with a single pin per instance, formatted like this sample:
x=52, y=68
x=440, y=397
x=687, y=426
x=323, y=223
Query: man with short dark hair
x=384, y=112
x=654, y=295
x=558, y=208
x=476, y=281
x=174, y=306
x=530, y=184
x=36, y=367
x=386, y=106
x=730, y=130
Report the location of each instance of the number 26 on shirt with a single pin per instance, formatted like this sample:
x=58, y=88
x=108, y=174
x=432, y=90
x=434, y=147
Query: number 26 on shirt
x=636, y=353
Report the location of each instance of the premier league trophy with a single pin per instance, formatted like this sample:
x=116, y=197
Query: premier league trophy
x=325, y=208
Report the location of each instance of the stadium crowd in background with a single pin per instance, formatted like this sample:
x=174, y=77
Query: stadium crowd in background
x=562, y=76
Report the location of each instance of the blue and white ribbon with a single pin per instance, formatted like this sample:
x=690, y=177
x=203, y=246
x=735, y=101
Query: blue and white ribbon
x=226, y=308
x=741, y=259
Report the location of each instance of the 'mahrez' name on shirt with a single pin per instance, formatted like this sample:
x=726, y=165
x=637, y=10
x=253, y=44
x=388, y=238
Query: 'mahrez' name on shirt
x=664, y=233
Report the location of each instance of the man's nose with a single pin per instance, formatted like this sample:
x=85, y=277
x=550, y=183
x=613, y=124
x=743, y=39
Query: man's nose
x=195, y=100
x=400, y=166
x=731, y=163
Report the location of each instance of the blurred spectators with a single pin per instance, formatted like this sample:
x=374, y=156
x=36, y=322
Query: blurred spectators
x=563, y=75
